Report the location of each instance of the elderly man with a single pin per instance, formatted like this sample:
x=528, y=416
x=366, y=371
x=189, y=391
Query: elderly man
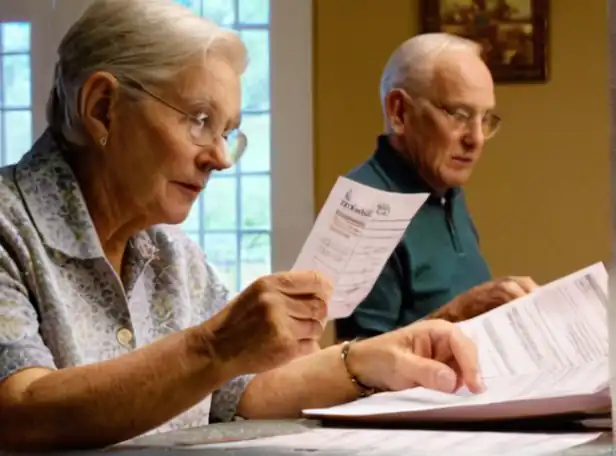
x=438, y=102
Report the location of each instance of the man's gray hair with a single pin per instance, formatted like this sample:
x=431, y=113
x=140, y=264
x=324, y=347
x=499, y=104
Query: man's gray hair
x=411, y=66
x=148, y=41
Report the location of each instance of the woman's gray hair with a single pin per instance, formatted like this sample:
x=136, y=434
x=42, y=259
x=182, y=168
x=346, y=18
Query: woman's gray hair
x=411, y=66
x=148, y=41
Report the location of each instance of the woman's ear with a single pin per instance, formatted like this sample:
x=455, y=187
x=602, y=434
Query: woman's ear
x=97, y=99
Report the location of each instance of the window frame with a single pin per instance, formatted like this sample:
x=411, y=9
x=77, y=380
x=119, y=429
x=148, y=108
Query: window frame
x=38, y=14
x=291, y=53
x=292, y=188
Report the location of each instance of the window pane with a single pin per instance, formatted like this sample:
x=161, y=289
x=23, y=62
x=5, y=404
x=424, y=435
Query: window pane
x=195, y=236
x=222, y=215
x=193, y=5
x=257, y=155
x=17, y=133
x=221, y=251
x=226, y=172
x=256, y=80
x=254, y=11
x=256, y=257
x=256, y=206
x=220, y=11
x=16, y=81
x=16, y=37
x=193, y=221
x=220, y=207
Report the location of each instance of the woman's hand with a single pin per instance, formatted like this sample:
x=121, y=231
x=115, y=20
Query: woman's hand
x=433, y=353
x=276, y=319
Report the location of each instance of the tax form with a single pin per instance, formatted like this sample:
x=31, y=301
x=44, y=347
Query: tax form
x=354, y=235
x=543, y=354
x=376, y=442
x=563, y=324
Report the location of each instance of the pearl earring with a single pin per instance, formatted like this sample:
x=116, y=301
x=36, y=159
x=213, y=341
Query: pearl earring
x=103, y=141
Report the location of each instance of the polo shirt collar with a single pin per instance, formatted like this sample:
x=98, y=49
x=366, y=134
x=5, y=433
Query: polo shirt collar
x=403, y=174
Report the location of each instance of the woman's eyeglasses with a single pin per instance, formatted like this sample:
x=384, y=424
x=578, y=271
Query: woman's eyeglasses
x=199, y=133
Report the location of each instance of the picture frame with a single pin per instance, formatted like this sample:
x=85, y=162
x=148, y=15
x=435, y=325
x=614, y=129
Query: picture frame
x=513, y=33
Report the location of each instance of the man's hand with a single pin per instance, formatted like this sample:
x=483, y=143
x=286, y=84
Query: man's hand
x=434, y=354
x=484, y=297
x=276, y=319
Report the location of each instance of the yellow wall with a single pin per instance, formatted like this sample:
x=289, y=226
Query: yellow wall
x=540, y=196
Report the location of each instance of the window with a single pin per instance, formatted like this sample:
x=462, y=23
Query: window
x=15, y=92
x=232, y=219
x=251, y=219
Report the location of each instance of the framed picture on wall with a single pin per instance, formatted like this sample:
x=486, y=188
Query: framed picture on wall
x=513, y=34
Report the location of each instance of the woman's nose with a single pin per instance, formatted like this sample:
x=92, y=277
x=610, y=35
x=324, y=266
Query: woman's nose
x=214, y=157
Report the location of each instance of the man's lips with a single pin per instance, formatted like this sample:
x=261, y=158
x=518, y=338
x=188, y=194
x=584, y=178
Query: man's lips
x=465, y=160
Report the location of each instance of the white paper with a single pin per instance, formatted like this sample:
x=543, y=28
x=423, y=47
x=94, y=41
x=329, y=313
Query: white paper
x=612, y=322
x=562, y=324
x=354, y=235
x=554, y=392
x=544, y=354
x=367, y=442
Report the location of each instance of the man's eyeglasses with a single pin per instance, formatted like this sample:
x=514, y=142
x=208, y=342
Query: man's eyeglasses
x=235, y=141
x=463, y=118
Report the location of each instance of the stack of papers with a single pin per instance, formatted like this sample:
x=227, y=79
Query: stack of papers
x=542, y=355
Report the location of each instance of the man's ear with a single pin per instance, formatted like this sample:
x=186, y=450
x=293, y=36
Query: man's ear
x=395, y=111
x=96, y=101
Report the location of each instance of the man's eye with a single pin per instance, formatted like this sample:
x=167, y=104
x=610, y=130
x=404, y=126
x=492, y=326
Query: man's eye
x=456, y=113
x=491, y=119
x=460, y=114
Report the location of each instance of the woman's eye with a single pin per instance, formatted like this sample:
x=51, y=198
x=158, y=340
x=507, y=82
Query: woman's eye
x=200, y=119
x=230, y=134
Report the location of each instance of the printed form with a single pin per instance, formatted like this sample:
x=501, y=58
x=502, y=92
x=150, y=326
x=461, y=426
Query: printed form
x=376, y=442
x=563, y=324
x=354, y=235
x=543, y=354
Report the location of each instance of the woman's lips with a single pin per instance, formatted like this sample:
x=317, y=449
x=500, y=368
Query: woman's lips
x=191, y=188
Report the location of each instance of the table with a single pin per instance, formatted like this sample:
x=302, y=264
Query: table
x=174, y=443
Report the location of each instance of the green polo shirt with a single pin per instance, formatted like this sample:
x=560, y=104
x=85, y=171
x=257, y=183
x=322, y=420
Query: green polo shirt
x=438, y=258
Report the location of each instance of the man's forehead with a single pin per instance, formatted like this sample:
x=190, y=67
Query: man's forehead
x=463, y=77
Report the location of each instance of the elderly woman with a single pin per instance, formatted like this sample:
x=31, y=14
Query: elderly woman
x=113, y=324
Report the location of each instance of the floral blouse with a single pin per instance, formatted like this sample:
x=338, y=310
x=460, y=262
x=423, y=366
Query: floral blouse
x=62, y=304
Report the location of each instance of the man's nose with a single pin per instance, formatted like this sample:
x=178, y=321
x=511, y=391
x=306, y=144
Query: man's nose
x=475, y=136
